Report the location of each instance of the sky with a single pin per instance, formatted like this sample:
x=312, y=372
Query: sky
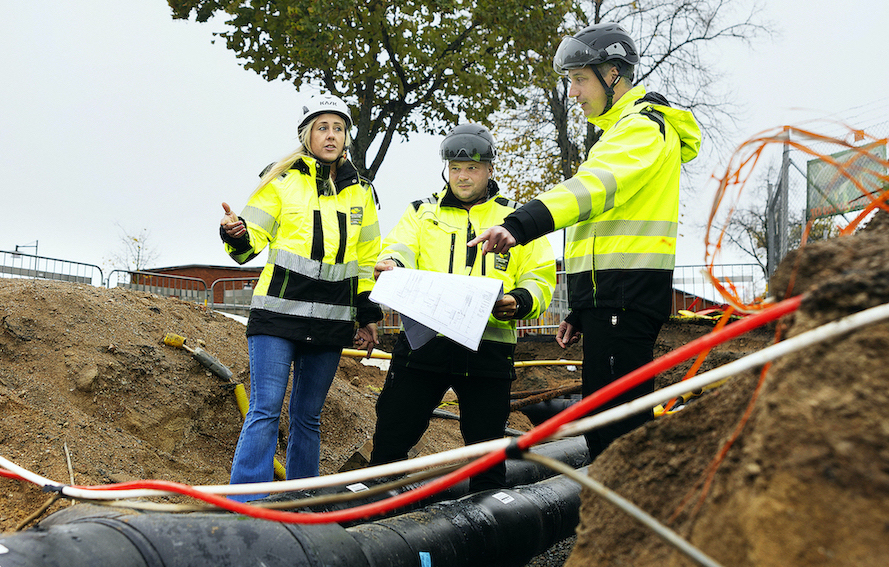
x=115, y=118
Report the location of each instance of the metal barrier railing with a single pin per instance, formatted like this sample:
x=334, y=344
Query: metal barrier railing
x=692, y=289
x=27, y=266
x=232, y=295
x=165, y=285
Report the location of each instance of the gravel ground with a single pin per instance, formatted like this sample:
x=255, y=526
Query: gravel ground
x=554, y=556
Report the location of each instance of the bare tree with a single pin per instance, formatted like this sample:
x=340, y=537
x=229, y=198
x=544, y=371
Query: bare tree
x=671, y=37
x=747, y=230
x=135, y=253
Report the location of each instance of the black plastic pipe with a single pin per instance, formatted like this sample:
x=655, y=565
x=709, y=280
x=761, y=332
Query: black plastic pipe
x=572, y=451
x=495, y=528
x=542, y=411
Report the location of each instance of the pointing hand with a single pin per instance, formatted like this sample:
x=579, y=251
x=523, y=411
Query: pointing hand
x=496, y=239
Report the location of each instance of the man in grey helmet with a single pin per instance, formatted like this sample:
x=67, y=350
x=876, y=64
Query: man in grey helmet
x=432, y=235
x=620, y=212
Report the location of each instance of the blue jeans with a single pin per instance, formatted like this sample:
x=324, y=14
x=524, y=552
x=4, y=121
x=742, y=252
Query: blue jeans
x=270, y=363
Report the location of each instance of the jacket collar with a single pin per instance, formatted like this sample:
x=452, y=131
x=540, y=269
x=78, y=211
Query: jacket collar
x=449, y=200
x=346, y=174
x=614, y=114
x=682, y=121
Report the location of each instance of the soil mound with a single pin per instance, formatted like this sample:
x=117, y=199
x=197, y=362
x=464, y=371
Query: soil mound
x=806, y=482
x=85, y=376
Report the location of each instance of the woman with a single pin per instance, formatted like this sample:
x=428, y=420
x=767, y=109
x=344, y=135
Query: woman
x=319, y=219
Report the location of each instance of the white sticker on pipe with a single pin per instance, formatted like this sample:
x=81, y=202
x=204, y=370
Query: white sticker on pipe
x=504, y=497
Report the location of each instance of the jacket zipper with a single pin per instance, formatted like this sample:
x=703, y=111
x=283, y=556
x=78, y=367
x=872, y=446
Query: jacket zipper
x=471, y=254
x=593, y=271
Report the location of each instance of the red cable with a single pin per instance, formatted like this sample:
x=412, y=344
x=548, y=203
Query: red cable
x=10, y=474
x=669, y=360
x=539, y=433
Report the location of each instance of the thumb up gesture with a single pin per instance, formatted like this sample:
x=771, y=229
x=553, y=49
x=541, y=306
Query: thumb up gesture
x=230, y=222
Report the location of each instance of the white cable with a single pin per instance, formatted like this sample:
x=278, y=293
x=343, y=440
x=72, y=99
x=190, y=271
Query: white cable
x=645, y=403
x=26, y=474
x=759, y=358
x=466, y=453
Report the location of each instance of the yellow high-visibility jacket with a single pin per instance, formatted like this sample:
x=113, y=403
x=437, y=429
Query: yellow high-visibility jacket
x=621, y=207
x=322, y=251
x=432, y=235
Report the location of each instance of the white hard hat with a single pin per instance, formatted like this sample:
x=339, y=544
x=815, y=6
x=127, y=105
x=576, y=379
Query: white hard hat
x=322, y=104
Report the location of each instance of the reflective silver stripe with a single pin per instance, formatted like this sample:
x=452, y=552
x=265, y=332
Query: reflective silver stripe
x=313, y=268
x=575, y=234
x=666, y=229
x=609, y=183
x=499, y=334
x=261, y=218
x=303, y=308
x=625, y=261
x=580, y=232
x=537, y=293
x=365, y=272
x=369, y=232
x=404, y=252
x=581, y=264
x=582, y=196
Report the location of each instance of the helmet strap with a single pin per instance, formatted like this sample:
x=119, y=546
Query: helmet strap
x=609, y=89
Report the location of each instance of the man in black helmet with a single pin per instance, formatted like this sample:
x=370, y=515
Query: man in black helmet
x=432, y=235
x=620, y=212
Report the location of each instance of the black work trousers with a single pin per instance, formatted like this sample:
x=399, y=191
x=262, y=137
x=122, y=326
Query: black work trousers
x=615, y=342
x=405, y=407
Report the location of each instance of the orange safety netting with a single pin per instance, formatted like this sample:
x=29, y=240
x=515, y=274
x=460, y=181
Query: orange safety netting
x=874, y=187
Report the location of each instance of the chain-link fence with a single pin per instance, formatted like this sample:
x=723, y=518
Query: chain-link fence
x=815, y=181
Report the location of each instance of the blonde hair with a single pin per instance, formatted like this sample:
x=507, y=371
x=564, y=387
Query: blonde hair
x=285, y=163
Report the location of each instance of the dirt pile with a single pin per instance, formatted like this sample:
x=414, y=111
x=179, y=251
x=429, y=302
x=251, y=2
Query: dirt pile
x=85, y=377
x=807, y=481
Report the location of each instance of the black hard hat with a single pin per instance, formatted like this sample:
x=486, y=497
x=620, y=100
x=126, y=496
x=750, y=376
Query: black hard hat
x=594, y=45
x=468, y=142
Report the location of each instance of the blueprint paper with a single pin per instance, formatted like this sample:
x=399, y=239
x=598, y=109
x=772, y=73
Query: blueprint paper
x=417, y=333
x=455, y=306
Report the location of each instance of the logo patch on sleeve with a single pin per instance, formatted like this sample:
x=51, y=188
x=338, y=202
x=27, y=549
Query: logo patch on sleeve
x=356, y=215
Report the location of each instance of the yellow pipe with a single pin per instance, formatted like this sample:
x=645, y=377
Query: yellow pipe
x=548, y=363
x=357, y=353
x=659, y=409
x=178, y=341
x=244, y=405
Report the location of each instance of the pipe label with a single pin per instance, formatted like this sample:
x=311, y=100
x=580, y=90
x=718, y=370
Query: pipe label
x=425, y=559
x=504, y=497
